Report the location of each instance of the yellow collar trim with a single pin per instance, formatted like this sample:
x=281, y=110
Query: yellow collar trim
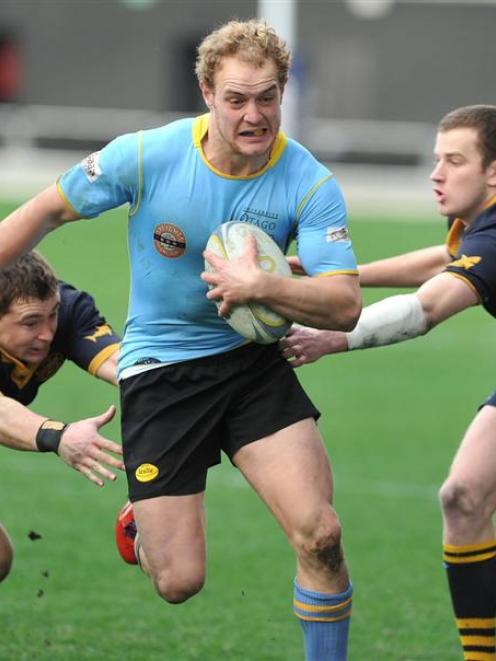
x=21, y=374
x=200, y=129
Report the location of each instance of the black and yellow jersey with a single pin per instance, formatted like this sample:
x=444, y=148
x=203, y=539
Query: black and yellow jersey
x=474, y=255
x=82, y=336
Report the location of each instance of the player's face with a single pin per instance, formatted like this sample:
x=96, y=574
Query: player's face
x=461, y=185
x=28, y=327
x=245, y=107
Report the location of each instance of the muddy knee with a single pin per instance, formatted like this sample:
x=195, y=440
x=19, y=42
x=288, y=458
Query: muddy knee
x=321, y=547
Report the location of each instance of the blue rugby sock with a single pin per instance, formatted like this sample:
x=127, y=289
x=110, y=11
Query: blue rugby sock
x=325, y=619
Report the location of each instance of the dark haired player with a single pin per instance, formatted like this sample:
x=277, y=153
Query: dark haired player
x=453, y=277
x=43, y=322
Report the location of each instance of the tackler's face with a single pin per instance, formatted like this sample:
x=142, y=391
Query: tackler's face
x=462, y=187
x=28, y=327
x=245, y=106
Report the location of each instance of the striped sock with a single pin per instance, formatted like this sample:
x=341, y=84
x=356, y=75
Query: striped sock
x=471, y=574
x=325, y=619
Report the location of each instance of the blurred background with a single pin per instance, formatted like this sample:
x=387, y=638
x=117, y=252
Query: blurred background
x=370, y=80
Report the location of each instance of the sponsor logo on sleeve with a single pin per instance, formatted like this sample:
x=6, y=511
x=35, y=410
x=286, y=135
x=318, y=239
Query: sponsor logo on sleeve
x=465, y=262
x=91, y=167
x=337, y=235
x=100, y=331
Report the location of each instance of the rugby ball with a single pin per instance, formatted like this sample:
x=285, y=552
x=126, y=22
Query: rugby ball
x=254, y=321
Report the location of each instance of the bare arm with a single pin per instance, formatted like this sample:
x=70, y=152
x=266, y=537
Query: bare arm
x=81, y=446
x=25, y=227
x=411, y=269
x=391, y=320
x=323, y=302
x=108, y=369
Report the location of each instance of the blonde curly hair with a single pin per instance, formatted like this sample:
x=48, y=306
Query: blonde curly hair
x=251, y=41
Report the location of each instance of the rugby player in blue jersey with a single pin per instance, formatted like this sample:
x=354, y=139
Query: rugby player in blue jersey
x=191, y=387
x=43, y=322
x=452, y=278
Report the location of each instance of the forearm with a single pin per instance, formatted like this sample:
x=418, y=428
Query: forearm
x=408, y=270
x=18, y=425
x=332, y=302
x=394, y=319
x=25, y=227
x=108, y=369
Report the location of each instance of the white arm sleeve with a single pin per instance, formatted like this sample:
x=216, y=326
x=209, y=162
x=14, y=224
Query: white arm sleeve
x=391, y=320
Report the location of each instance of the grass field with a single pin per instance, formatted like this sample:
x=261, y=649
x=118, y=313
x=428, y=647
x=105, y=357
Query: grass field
x=392, y=420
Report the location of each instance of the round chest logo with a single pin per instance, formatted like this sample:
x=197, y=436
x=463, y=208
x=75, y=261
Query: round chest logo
x=146, y=472
x=169, y=240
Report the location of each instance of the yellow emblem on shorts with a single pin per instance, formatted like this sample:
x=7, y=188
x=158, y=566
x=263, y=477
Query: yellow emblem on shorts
x=146, y=472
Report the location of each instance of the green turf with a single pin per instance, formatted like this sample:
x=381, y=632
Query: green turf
x=392, y=419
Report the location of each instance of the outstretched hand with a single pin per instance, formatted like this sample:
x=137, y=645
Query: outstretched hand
x=234, y=281
x=86, y=451
x=303, y=345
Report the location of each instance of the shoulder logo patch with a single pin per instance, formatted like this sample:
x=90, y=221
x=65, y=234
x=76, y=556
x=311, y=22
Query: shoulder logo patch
x=466, y=262
x=146, y=473
x=169, y=240
x=100, y=331
x=91, y=166
x=337, y=234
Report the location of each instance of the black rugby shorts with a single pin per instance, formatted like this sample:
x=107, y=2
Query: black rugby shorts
x=177, y=419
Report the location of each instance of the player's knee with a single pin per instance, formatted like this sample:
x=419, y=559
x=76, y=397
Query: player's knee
x=6, y=557
x=176, y=589
x=459, y=499
x=320, y=544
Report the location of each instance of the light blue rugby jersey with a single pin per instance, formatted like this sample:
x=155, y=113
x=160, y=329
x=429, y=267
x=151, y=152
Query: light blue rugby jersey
x=176, y=199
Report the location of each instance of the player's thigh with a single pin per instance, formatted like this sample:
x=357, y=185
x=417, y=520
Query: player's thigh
x=474, y=464
x=291, y=472
x=172, y=531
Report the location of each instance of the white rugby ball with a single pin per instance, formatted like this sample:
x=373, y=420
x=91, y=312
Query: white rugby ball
x=254, y=321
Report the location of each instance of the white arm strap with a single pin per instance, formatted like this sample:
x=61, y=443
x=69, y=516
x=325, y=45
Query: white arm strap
x=391, y=320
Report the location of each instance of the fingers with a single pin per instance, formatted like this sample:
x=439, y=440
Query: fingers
x=105, y=417
x=92, y=467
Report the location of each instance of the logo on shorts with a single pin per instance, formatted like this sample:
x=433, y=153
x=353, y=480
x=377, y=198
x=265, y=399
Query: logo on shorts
x=146, y=473
x=91, y=167
x=169, y=240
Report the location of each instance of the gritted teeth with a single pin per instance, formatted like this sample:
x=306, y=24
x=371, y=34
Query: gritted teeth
x=257, y=133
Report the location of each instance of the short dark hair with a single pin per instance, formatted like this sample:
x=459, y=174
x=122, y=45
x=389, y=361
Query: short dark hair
x=30, y=276
x=482, y=118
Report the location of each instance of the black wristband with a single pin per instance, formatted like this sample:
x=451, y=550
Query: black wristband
x=49, y=434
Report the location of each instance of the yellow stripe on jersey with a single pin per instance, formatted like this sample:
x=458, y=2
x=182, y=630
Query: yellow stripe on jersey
x=310, y=193
x=464, y=279
x=134, y=210
x=101, y=357
x=199, y=130
x=68, y=205
x=328, y=274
